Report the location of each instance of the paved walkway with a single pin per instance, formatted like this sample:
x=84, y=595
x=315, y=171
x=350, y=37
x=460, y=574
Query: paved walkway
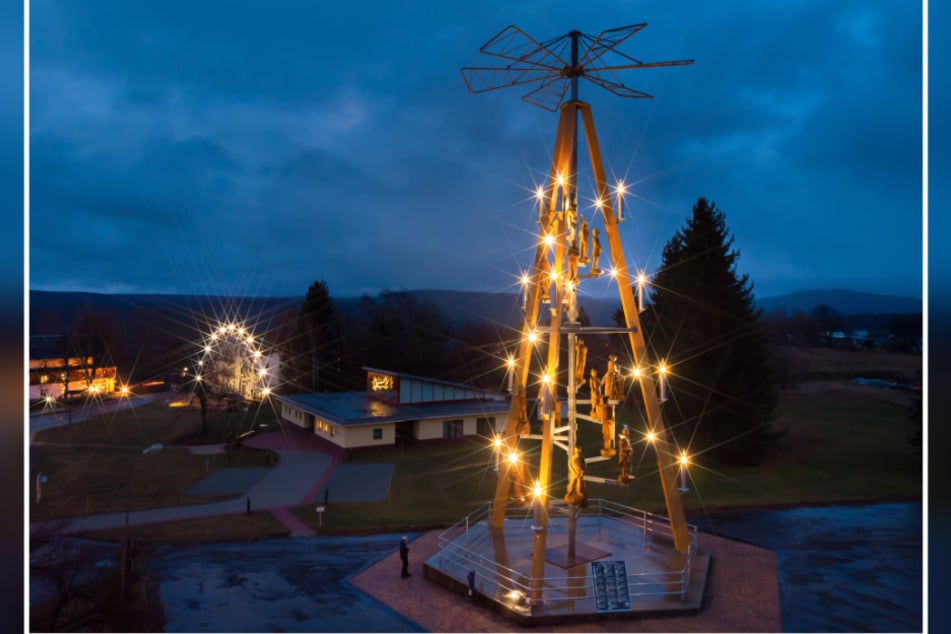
x=304, y=466
x=742, y=595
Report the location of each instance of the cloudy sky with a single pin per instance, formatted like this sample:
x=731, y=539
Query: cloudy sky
x=250, y=148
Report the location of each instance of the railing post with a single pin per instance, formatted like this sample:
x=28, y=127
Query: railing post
x=644, y=534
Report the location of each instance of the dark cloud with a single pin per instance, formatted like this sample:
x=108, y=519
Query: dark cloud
x=257, y=146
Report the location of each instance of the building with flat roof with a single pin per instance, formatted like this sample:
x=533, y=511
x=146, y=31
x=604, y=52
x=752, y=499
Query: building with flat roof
x=397, y=406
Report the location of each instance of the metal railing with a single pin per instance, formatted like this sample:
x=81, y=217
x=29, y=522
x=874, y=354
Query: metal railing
x=522, y=593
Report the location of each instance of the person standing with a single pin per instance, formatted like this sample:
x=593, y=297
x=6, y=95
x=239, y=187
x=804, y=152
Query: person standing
x=404, y=556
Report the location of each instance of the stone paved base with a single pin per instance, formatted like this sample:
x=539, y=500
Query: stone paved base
x=742, y=595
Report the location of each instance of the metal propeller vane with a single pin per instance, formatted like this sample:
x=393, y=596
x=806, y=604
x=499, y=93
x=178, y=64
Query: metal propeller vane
x=555, y=65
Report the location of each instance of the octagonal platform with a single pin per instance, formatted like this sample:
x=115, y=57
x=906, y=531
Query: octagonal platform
x=623, y=564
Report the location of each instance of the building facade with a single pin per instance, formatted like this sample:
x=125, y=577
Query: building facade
x=397, y=407
x=62, y=366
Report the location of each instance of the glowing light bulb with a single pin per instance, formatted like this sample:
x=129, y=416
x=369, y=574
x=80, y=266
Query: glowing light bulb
x=525, y=279
x=683, y=459
x=513, y=458
x=561, y=180
x=510, y=362
x=621, y=189
x=662, y=368
x=546, y=378
x=266, y=391
x=651, y=437
x=540, y=193
x=599, y=203
x=497, y=442
x=533, y=336
x=548, y=240
x=612, y=272
x=537, y=490
x=207, y=349
x=636, y=372
x=641, y=283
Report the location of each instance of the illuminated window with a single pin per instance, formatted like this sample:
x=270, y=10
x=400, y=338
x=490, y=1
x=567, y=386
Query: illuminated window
x=44, y=379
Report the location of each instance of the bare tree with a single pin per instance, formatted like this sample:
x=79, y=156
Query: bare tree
x=66, y=576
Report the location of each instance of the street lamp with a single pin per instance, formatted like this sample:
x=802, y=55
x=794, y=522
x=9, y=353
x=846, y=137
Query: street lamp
x=683, y=471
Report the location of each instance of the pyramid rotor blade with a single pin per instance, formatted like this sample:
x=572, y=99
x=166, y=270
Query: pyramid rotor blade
x=514, y=44
x=484, y=79
x=549, y=94
x=677, y=62
x=609, y=40
x=618, y=88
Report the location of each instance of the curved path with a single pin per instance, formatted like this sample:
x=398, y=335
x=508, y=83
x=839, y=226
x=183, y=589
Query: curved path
x=304, y=467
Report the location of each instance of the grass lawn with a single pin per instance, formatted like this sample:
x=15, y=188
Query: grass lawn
x=845, y=443
x=112, y=479
x=97, y=465
x=177, y=422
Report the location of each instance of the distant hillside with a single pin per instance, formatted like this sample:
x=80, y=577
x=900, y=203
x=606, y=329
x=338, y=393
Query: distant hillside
x=845, y=302
x=150, y=334
x=505, y=308
x=55, y=312
x=462, y=307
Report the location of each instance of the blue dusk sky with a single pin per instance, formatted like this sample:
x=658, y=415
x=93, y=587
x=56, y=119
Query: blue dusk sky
x=249, y=148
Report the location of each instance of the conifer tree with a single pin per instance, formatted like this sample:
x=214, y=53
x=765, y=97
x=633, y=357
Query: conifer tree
x=722, y=389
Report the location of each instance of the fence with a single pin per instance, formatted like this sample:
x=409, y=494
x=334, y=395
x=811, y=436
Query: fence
x=458, y=555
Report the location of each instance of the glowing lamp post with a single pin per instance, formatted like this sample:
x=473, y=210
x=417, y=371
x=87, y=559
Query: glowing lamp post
x=662, y=371
x=510, y=365
x=641, y=283
x=540, y=195
x=683, y=472
x=544, y=404
x=620, y=199
x=538, y=495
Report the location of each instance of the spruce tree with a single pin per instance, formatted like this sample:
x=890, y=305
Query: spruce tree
x=722, y=389
x=317, y=338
